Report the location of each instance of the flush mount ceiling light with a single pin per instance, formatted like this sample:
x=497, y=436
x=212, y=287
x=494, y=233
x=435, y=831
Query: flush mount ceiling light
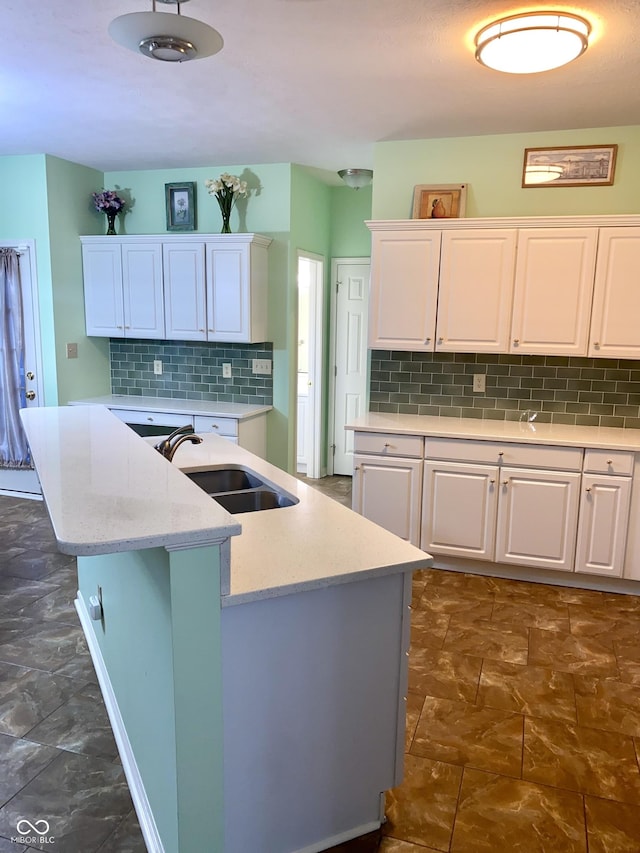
x=356, y=178
x=532, y=42
x=538, y=174
x=169, y=38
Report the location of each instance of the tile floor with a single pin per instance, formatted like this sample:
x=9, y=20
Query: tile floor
x=523, y=724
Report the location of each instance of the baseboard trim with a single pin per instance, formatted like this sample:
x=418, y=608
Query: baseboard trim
x=136, y=786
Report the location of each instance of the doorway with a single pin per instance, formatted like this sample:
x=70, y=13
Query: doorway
x=348, y=391
x=23, y=482
x=309, y=370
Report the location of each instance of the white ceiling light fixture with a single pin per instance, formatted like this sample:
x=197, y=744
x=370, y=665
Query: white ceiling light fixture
x=167, y=37
x=356, y=178
x=532, y=42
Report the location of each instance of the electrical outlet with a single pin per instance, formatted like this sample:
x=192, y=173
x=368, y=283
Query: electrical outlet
x=261, y=365
x=479, y=383
x=72, y=350
x=226, y=371
x=157, y=367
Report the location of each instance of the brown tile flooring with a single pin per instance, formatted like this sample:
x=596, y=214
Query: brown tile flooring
x=523, y=723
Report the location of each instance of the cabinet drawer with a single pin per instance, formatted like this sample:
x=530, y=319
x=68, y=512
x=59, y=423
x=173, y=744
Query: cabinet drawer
x=133, y=416
x=220, y=426
x=388, y=444
x=608, y=462
x=505, y=453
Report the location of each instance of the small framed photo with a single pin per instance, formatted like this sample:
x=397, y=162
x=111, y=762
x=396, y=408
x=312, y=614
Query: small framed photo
x=180, y=200
x=439, y=201
x=577, y=166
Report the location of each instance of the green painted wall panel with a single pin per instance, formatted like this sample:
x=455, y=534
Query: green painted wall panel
x=492, y=167
x=350, y=237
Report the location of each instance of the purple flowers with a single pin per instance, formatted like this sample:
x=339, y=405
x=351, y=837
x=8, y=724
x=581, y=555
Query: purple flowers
x=107, y=200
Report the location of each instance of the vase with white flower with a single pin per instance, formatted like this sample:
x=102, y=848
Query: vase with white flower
x=109, y=203
x=226, y=189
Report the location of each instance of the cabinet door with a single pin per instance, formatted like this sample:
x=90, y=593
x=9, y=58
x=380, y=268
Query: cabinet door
x=476, y=290
x=537, y=518
x=142, y=290
x=615, y=331
x=387, y=491
x=184, y=291
x=602, y=530
x=102, y=271
x=228, y=294
x=459, y=509
x=404, y=290
x=553, y=289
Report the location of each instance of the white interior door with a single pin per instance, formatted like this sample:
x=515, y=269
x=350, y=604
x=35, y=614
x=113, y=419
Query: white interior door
x=310, y=361
x=25, y=481
x=350, y=300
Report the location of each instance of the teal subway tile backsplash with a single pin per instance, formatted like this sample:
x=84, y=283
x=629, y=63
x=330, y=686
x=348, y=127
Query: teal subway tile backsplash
x=190, y=370
x=585, y=391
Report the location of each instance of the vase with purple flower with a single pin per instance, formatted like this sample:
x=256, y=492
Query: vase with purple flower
x=109, y=203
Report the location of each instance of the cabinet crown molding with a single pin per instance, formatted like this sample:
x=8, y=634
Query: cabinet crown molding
x=501, y=222
x=191, y=237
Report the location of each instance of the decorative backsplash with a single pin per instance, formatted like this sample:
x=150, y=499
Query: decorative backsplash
x=586, y=391
x=190, y=370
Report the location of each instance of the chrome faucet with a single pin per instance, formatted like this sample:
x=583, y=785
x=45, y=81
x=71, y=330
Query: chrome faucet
x=171, y=443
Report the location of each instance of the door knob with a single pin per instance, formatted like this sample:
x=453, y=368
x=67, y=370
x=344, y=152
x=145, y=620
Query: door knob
x=31, y=395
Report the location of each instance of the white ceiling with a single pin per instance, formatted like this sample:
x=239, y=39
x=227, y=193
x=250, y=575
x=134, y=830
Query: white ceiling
x=314, y=82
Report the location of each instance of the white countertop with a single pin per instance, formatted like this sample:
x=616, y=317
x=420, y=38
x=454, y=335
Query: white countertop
x=178, y=407
x=607, y=438
x=108, y=490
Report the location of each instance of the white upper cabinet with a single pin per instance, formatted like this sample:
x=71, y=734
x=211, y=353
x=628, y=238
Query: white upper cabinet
x=404, y=290
x=177, y=287
x=123, y=289
x=553, y=290
x=475, y=290
x=615, y=330
x=184, y=291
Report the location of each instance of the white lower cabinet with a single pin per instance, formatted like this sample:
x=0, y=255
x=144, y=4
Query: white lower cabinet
x=537, y=518
x=387, y=481
x=602, y=532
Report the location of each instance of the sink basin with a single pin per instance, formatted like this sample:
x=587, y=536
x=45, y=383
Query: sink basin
x=252, y=501
x=224, y=480
x=240, y=490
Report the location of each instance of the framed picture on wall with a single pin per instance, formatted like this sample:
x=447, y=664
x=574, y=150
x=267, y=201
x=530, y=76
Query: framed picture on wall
x=577, y=166
x=180, y=201
x=439, y=201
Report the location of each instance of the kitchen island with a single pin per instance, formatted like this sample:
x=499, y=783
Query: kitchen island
x=253, y=666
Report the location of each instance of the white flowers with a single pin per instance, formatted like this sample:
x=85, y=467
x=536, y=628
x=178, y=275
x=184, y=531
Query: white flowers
x=225, y=183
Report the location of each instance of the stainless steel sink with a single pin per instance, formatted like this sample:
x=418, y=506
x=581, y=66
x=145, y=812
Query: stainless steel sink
x=224, y=480
x=240, y=490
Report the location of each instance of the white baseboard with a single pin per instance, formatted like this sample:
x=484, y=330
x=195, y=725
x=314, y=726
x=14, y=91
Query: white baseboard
x=136, y=786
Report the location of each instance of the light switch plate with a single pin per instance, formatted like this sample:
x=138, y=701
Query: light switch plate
x=72, y=350
x=261, y=365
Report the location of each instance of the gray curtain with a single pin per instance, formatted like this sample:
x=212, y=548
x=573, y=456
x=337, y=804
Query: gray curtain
x=14, y=450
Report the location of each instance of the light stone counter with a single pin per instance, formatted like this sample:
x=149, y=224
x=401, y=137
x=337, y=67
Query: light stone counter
x=606, y=438
x=176, y=407
x=107, y=490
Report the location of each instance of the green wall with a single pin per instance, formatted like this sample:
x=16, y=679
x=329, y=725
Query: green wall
x=350, y=209
x=492, y=167
x=71, y=213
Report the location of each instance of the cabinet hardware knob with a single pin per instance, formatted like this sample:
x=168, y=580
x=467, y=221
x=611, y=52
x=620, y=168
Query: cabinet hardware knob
x=501, y=453
x=492, y=482
x=609, y=461
x=215, y=426
x=427, y=340
x=201, y=330
x=596, y=345
x=588, y=489
x=505, y=482
x=516, y=341
x=150, y=419
x=31, y=374
x=386, y=444
x=357, y=468
x=30, y=395
x=440, y=340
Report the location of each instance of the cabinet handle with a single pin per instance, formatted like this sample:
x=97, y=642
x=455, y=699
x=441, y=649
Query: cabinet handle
x=501, y=453
x=596, y=345
x=386, y=444
x=516, y=341
x=150, y=419
x=440, y=340
x=505, y=482
x=357, y=468
x=427, y=340
x=588, y=489
x=492, y=482
x=609, y=461
x=215, y=426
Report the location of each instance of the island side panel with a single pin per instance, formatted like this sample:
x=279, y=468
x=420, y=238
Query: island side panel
x=158, y=645
x=314, y=704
